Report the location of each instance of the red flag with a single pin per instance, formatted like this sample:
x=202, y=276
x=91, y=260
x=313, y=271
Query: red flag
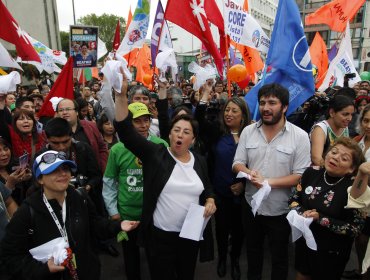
x=10, y=31
x=63, y=87
x=319, y=58
x=335, y=14
x=194, y=18
x=117, y=37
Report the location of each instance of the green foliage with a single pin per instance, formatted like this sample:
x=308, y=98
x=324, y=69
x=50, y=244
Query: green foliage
x=64, y=39
x=107, y=26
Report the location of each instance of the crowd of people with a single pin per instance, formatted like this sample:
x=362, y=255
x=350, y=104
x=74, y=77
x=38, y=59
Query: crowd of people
x=128, y=165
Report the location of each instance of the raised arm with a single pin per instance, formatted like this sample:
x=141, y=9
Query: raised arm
x=361, y=181
x=121, y=110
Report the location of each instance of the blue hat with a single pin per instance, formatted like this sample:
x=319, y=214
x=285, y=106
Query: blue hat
x=49, y=161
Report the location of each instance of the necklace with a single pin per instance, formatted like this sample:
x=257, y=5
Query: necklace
x=333, y=184
x=234, y=133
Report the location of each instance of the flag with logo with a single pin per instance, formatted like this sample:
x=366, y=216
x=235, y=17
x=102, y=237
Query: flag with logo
x=243, y=29
x=319, y=58
x=193, y=16
x=63, y=87
x=288, y=59
x=48, y=57
x=251, y=56
x=11, y=32
x=136, y=33
x=160, y=34
x=342, y=64
x=335, y=14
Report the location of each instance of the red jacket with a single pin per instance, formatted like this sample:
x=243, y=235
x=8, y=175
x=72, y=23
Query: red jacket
x=97, y=143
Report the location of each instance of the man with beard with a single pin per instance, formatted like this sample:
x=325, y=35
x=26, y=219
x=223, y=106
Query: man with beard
x=276, y=152
x=38, y=100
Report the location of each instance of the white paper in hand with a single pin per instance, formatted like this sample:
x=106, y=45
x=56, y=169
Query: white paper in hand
x=259, y=196
x=301, y=227
x=54, y=248
x=242, y=174
x=194, y=223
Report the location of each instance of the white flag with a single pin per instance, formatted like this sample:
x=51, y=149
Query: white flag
x=6, y=60
x=48, y=57
x=9, y=82
x=136, y=33
x=102, y=48
x=341, y=64
x=243, y=28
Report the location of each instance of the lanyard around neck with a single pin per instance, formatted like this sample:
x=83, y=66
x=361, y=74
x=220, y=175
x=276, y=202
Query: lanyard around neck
x=62, y=230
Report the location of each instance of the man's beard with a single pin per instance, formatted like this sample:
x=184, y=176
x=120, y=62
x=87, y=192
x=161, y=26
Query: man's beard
x=274, y=120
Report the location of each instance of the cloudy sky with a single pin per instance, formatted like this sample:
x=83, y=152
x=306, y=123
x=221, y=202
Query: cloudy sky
x=85, y=7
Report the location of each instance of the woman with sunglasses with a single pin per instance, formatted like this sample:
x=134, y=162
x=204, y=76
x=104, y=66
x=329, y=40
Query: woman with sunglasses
x=54, y=211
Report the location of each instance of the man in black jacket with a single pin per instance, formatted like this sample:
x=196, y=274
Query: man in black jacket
x=59, y=136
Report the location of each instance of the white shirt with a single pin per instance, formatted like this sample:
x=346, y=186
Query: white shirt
x=182, y=188
x=288, y=153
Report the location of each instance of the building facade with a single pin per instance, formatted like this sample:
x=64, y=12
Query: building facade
x=360, y=31
x=39, y=18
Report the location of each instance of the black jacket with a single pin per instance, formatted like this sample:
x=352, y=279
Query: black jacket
x=158, y=165
x=32, y=225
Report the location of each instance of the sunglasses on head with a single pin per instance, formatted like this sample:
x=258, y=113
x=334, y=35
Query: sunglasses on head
x=52, y=157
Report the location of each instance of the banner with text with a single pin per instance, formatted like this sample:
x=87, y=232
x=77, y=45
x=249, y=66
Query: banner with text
x=84, y=45
x=243, y=28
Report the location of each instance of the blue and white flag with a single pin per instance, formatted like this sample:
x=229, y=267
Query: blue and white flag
x=288, y=59
x=243, y=28
x=136, y=32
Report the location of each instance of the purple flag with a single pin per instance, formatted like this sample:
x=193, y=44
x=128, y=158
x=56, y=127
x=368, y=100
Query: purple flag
x=333, y=52
x=165, y=41
x=233, y=59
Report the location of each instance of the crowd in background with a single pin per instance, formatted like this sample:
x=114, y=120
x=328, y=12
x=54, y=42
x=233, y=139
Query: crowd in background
x=134, y=156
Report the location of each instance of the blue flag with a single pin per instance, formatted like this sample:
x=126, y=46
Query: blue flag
x=288, y=60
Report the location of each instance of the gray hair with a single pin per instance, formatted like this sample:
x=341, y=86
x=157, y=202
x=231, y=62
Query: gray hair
x=138, y=89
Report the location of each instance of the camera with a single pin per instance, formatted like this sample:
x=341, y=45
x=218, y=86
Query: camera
x=79, y=181
x=350, y=75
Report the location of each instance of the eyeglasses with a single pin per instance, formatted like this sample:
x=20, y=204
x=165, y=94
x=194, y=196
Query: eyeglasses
x=61, y=110
x=52, y=157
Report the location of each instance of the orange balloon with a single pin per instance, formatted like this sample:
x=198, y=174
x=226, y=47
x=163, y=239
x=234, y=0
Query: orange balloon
x=237, y=73
x=147, y=78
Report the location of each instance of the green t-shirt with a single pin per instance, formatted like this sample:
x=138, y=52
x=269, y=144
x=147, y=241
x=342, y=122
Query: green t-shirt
x=126, y=168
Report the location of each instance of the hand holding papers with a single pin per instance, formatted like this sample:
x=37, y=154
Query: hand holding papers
x=260, y=195
x=56, y=248
x=301, y=226
x=194, y=223
x=112, y=72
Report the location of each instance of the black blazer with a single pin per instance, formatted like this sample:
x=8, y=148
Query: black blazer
x=158, y=165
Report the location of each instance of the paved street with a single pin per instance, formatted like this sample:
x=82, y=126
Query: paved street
x=112, y=268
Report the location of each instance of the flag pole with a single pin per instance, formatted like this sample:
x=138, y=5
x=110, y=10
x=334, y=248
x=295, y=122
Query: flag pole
x=227, y=56
x=227, y=69
x=157, y=51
